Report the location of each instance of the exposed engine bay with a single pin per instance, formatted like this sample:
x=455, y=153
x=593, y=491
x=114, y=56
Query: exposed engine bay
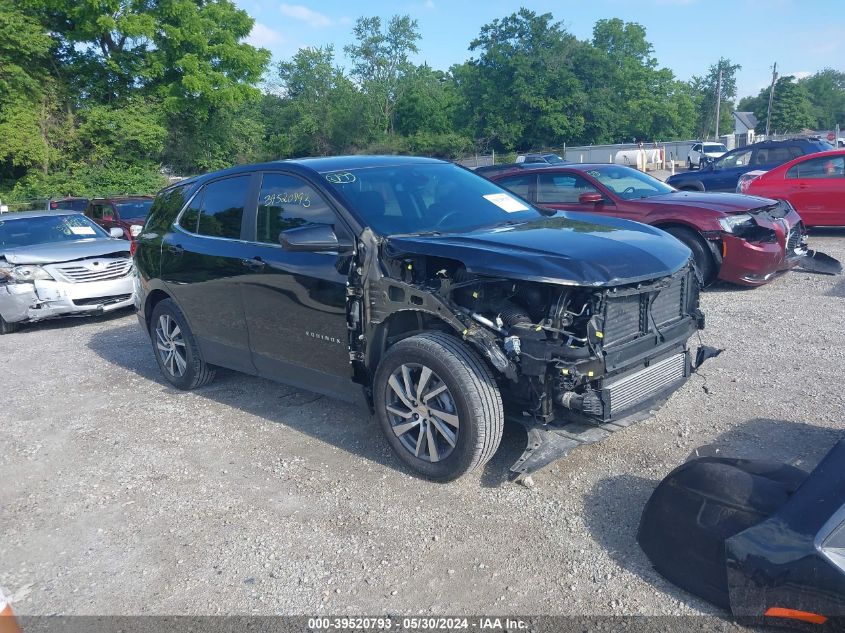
x=569, y=358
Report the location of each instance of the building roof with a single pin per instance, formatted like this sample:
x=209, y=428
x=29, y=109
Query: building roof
x=747, y=119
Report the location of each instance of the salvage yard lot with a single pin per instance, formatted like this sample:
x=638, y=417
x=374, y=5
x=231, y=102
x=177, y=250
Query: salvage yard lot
x=120, y=495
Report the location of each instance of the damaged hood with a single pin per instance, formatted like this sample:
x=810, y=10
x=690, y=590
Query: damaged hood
x=728, y=203
x=571, y=249
x=65, y=251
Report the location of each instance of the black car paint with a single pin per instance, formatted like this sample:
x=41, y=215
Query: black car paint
x=320, y=320
x=749, y=536
x=570, y=248
x=712, y=177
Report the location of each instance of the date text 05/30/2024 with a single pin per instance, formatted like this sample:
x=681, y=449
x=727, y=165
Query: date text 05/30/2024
x=416, y=623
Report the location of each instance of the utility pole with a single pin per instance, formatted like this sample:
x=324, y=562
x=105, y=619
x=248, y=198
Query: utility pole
x=771, y=97
x=718, y=102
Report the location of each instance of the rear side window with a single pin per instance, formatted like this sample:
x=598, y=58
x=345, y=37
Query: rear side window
x=562, y=188
x=520, y=185
x=826, y=167
x=222, y=207
x=286, y=202
x=773, y=156
x=166, y=207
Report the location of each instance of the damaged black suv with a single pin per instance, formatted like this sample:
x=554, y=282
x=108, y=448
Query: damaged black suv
x=444, y=301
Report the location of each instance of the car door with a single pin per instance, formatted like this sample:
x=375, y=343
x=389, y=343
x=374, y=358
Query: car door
x=725, y=172
x=295, y=300
x=816, y=188
x=203, y=262
x=695, y=154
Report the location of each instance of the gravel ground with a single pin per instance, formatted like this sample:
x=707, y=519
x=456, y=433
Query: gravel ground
x=120, y=495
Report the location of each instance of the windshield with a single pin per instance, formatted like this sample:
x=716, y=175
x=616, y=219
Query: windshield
x=46, y=229
x=628, y=183
x=134, y=208
x=553, y=159
x=715, y=149
x=423, y=198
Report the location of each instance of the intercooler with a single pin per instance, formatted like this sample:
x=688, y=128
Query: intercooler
x=630, y=316
x=631, y=389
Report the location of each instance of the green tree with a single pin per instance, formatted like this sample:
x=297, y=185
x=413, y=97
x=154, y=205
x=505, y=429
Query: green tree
x=704, y=91
x=323, y=110
x=791, y=107
x=826, y=91
x=380, y=59
x=521, y=90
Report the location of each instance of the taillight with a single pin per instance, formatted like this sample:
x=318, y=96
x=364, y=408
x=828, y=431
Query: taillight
x=133, y=246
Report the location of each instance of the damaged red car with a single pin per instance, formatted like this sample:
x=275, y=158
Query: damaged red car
x=740, y=239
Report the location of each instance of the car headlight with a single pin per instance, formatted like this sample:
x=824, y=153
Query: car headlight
x=734, y=223
x=135, y=230
x=23, y=274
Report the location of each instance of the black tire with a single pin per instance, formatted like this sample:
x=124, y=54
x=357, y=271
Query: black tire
x=196, y=372
x=8, y=328
x=473, y=394
x=700, y=252
x=689, y=163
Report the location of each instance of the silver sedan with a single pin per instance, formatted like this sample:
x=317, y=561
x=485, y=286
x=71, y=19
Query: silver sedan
x=59, y=263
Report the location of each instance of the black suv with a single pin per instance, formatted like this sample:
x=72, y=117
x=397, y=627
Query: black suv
x=723, y=173
x=442, y=299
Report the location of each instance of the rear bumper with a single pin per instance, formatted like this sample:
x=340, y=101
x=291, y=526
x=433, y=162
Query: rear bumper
x=50, y=299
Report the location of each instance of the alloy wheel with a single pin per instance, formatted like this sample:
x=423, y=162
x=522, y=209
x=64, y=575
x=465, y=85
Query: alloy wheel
x=170, y=345
x=422, y=412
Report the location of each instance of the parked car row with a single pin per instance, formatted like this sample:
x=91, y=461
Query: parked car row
x=445, y=301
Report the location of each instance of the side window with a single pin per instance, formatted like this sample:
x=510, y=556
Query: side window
x=795, y=152
x=827, y=167
x=562, y=188
x=191, y=216
x=166, y=206
x=696, y=148
x=97, y=211
x=778, y=155
x=108, y=212
x=286, y=202
x=739, y=159
x=223, y=207
x=520, y=185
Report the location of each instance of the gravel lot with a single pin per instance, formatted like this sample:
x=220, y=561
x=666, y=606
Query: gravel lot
x=120, y=495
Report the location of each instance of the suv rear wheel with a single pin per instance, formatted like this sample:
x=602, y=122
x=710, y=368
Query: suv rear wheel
x=700, y=252
x=175, y=348
x=438, y=405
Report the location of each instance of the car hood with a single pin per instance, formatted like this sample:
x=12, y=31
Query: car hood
x=65, y=251
x=582, y=250
x=720, y=202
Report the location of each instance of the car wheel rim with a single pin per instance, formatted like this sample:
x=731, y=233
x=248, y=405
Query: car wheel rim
x=422, y=412
x=170, y=345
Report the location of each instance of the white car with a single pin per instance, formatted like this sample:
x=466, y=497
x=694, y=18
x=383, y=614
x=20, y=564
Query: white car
x=709, y=151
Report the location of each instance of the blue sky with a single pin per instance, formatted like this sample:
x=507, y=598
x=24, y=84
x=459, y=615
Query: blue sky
x=802, y=36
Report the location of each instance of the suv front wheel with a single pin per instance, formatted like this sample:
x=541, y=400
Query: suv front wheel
x=438, y=405
x=176, y=350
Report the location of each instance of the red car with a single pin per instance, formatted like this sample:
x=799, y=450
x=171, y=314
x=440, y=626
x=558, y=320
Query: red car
x=813, y=184
x=127, y=212
x=740, y=239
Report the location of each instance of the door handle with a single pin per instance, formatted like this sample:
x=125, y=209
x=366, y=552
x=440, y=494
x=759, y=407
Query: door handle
x=255, y=264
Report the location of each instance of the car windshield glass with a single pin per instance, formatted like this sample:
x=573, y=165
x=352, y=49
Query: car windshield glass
x=422, y=198
x=134, y=208
x=553, y=159
x=629, y=183
x=713, y=149
x=45, y=229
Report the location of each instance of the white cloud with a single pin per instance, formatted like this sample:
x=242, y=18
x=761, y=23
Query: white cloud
x=304, y=14
x=263, y=36
x=798, y=74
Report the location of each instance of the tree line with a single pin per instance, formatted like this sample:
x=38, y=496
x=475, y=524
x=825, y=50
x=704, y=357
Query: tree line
x=109, y=96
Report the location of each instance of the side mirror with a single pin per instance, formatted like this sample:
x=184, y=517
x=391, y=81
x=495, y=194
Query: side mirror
x=314, y=238
x=116, y=232
x=590, y=198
